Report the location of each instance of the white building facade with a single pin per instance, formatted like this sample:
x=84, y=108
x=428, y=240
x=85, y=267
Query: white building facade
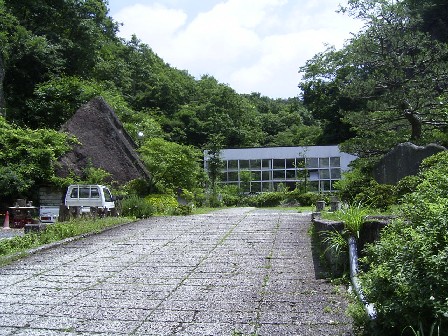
x=312, y=168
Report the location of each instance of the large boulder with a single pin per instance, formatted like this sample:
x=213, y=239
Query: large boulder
x=403, y=160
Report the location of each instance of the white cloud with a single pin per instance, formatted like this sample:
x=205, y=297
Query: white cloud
x=252, y=45
x=155, y=24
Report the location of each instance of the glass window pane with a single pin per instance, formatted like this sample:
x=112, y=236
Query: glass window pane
x=233, y=176
x=279, y=163
x=324, y=174
x=255, y=164
x=335, y=161
x=325, y=186
x=223, y=177
x=324, y=162
x=84, y=192
x=256, y=175
x=267, y=175
x=290, y=174
x=107, y=195
x=233, y=164
x=266, y=164
x=290, y=163
x=244, y=164
x=336, y=173
x=74, y=193
x=312, y=163
x=95, y=193
x=279, y=174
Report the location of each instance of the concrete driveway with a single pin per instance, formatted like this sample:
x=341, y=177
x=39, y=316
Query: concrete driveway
x=233, y=272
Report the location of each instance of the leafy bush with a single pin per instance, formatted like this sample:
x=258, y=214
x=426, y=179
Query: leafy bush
x=134, y=206
x=407, y=185
x=408, y=275
x=230, y=195
x=307, y=199
x=162, y=204
x=377, y=196
x=267, y=199
x=352, y=183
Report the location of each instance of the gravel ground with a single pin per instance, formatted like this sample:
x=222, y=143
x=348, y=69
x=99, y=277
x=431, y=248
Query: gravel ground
x=233, y=272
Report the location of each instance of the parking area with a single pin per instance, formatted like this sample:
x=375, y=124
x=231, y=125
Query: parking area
x=233, y=272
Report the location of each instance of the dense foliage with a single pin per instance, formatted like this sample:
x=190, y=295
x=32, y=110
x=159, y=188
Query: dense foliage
x=57, y=55
x=68, y=51
x=27, y=158
x=389, y=84
x=408, y=275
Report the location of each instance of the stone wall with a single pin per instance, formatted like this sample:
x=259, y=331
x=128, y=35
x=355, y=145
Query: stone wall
x=369, y=233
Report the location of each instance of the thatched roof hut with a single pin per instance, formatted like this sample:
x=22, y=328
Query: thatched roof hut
x=104, y=144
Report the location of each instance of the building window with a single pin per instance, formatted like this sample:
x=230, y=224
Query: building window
x=233, y=164
x=312, y=163
x=324, y=162
x=255, y=164
x=244, y=164
x=279, y=164
x=290, y=163
x=335, y=161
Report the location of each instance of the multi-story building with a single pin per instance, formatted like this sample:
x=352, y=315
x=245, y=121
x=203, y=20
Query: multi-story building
x=312, y=168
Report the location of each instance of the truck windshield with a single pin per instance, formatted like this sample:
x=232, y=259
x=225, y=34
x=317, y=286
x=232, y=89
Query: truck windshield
x=107, y=195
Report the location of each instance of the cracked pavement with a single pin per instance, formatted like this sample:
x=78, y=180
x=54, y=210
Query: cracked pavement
x=241, y=271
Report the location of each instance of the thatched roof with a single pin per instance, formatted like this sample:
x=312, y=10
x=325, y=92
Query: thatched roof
x=104, y=144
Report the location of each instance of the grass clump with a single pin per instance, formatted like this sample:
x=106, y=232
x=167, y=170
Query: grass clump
x=56, y=232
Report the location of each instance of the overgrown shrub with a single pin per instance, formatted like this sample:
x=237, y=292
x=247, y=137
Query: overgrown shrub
x=134, y=206
x=408, y=276
x=407, y=185
x=307, y=199
x=267, y=199
x=162, y=204
x=377, y=196
x=230, y=195
x=352, y=183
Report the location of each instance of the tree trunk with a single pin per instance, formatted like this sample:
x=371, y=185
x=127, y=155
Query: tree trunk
x=2, y=76
x=416, y=125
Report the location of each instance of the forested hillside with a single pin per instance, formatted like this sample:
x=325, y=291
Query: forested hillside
x=389, y=84
x=58, y=54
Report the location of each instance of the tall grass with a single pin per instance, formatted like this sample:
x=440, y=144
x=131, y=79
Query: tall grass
x=353, y=218
x=56, y=232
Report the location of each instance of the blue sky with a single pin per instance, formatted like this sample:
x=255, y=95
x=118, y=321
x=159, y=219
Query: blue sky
x=251, y=45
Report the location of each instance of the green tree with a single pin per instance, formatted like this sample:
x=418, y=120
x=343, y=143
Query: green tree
x=214, y=163
x=172, y=166
x=218, y=109
x=55, y=101
x=395, y=71
x=28, y=158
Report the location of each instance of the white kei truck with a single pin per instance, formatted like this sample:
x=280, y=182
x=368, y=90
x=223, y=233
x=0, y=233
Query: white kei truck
x=84, y=196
